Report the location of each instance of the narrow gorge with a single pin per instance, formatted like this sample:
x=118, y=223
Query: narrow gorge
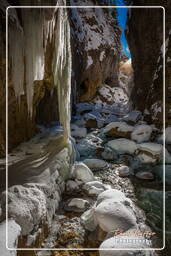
x=85, y=128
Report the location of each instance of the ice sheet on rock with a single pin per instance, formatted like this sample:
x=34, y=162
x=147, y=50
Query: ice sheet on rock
x=14, y=231
x=123, y=146
x=141, y=133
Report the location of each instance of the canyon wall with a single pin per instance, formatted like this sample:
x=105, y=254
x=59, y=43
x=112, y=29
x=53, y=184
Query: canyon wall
x=144, y=32
x=96, y=48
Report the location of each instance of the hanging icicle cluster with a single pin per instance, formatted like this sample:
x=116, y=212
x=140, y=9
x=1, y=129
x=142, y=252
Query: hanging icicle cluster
x=27, y=54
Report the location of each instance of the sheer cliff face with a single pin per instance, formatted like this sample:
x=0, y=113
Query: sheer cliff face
x=145, y=37
x=39, y=70
x=95, y=48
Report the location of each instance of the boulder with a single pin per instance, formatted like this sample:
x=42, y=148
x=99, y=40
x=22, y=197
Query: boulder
x=133, y=117
x=78, y=132
x=77, y=205
x=119, y=129
x=88, y=220
x=115, y=195
x=123, y=146
x=111, y=215
x=90, y=120
x=89, y=146
x=81, y=172
x=72, y=185
x=95, y=187
x=150, y=153
x=141, y=133
x=123, y=171
x=144, y=175
x=108, y=154
x=95, y=163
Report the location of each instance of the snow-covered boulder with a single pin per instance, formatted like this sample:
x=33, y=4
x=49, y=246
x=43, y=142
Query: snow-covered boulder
x=123, y=146
x=89, y=146
x=167, y=136
x=133, y=117
x=95, y=187
x=150, y=153
x=123, y=171
x=72, y=185
x=77, y=204
x=108, y=154
x=78, y=132
x=118, y=129
x=88, y=220
x=111, y=215
x=129, y=239
x=115, y=195
x=14, y=231
x=27, y=206
x=95, y=163
x=81, y=172
x=83, y=108
x=141, y=133
x=144, y=175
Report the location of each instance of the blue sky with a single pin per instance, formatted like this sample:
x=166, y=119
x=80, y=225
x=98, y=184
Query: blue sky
x=122, y=16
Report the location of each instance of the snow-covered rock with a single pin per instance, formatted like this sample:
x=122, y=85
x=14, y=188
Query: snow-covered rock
x=83, y=108
x=27, y=206
x=72, y=185
x=167, y=136
x=129, y=239
x=144, y=175
x=111, y=215
x=89, y=146
x=123, y=171
x=123, y=146
x=78, y=203
x=150, y=153
x=108, y=154
x=81, y=172
x=115, y=195
x=95, y=187
x=141, y=133
x=14, y=231
x=95, y=163
x=133, y=117
x=119, y=129
x=78, y=132
x=88, y=220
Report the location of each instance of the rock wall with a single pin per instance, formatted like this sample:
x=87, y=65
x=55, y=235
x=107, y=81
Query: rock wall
x=145, y=37
x=95, y=38
x=35, y=53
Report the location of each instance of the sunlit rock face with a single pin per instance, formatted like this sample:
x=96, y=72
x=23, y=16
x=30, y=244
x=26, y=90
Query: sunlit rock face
x=145, y=37
x=39, y=67
x=96, y=49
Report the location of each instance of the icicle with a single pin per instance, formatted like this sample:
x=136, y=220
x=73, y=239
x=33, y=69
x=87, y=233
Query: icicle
x=16, y=54
x=34, y=51
x=62, y=68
